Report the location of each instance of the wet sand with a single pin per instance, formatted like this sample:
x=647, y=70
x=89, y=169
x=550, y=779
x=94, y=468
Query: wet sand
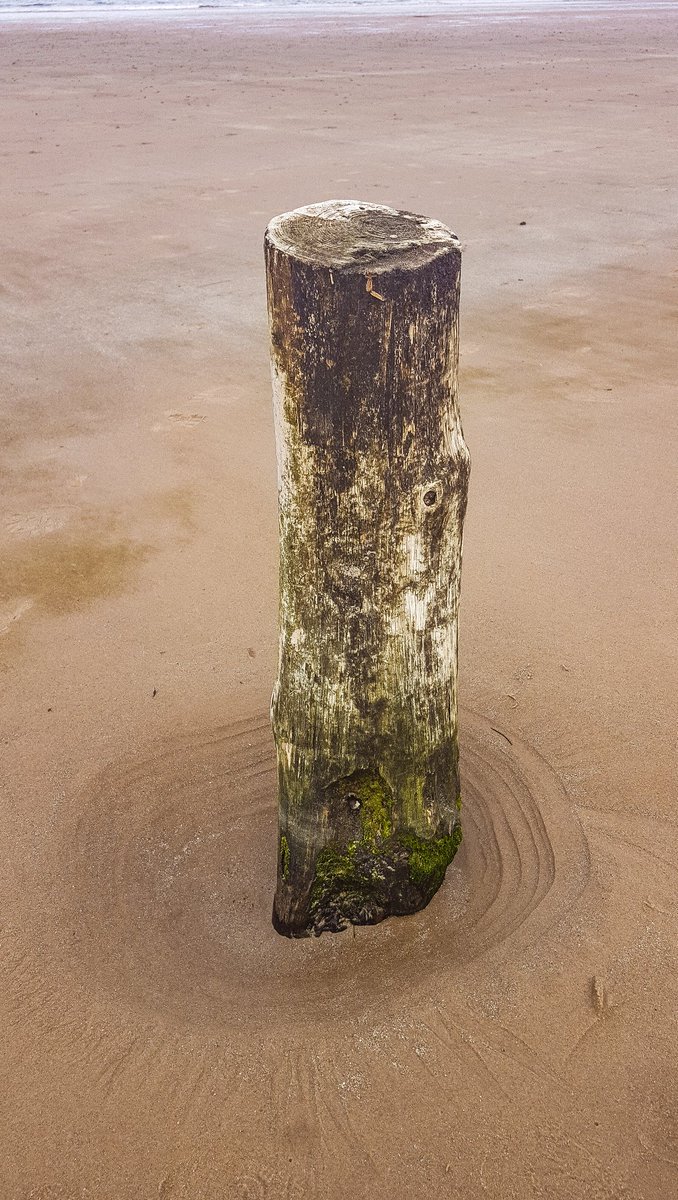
x=517, y=1038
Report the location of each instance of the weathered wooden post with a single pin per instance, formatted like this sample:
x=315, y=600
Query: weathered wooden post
x=373, y=478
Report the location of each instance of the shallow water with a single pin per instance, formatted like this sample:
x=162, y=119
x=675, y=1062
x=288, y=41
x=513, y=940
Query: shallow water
x=460, y=9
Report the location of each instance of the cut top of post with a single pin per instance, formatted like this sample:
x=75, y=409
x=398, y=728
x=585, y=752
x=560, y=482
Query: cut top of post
x=354, y=236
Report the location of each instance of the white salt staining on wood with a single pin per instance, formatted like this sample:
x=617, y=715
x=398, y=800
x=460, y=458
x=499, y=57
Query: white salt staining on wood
x=373, y=479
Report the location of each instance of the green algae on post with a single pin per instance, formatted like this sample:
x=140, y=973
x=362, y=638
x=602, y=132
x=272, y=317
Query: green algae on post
x=284, y=857
x=373, y=478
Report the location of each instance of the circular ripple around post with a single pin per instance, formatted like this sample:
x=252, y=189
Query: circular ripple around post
x=172, y=867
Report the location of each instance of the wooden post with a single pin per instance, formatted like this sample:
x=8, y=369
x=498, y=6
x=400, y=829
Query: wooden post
x=373, y=478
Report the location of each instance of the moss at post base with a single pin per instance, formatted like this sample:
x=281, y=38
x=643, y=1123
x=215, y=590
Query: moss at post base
x=373, y=864
x=361, y=885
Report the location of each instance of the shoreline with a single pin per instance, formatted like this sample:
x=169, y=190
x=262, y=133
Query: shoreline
x=466, y=11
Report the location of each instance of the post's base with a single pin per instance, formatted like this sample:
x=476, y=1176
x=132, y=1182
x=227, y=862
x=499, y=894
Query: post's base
x=357, y=886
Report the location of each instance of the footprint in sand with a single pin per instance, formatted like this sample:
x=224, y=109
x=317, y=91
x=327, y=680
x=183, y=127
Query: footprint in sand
x=37, y=524
x=178, y=420
x=11, y=613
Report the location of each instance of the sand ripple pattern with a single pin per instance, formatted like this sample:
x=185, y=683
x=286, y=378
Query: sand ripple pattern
x=172, y=871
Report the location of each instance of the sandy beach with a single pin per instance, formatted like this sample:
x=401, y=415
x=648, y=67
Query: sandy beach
x=517, y=1038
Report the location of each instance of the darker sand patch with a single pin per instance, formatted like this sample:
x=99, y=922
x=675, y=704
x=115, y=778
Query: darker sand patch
x=62, y=570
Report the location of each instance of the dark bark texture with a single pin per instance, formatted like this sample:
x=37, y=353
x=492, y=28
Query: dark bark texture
x=373, y=478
